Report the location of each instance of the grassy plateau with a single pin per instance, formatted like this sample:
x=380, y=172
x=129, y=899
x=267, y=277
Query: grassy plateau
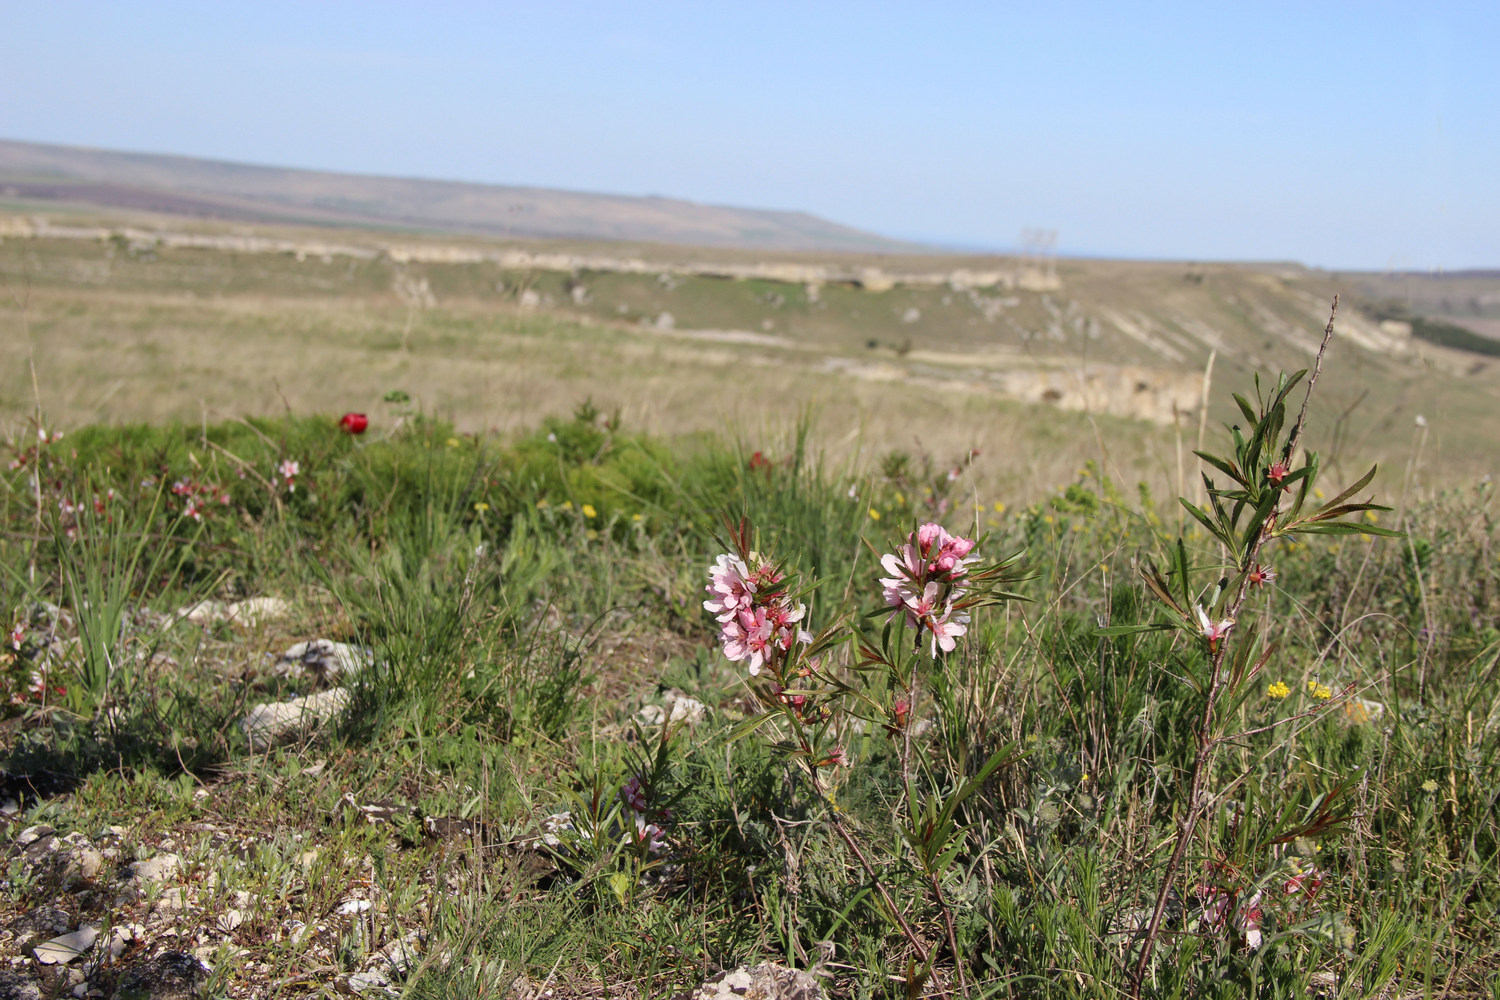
x=1246, y=745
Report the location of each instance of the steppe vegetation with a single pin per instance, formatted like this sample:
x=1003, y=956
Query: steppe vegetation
x=1049, y=732
x=1180, y=756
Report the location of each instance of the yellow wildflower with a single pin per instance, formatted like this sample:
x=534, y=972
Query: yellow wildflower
x=998, y=508
x=1371, y=516
x=567, y=505
x=1278, y=691
x=637, y=517
x=481, y=506
x=542, y=504
x=1322, y=692
x=874, y=514
x=453, y=442
x=589, y=511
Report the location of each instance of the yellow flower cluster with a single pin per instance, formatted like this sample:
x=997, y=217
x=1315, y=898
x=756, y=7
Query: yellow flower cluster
x=1320, y=691
x=1278, y=691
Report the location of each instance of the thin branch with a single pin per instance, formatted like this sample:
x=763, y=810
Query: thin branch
x=1207, y=743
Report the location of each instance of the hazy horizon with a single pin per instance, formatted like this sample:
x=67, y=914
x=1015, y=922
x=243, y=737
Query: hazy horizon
x=1350, y=136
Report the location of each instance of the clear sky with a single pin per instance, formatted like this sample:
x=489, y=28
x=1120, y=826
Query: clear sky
x=1338, y=134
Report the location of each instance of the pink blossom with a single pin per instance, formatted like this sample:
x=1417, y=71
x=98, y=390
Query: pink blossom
x=289, y=471
x=946, y=630
x=633, y=795
x=17, y=636
x=1212, y=631
x=729, y=587
x=650, y=834
x=748, y=636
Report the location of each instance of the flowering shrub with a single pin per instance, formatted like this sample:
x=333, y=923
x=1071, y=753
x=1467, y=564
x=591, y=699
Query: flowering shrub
x=932, y=584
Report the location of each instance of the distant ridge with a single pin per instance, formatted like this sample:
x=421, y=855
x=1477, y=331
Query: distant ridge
x=186, y=186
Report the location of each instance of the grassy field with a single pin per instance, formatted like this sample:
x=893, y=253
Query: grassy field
x=116, y=334
x=547, y=778
x=1147, y=766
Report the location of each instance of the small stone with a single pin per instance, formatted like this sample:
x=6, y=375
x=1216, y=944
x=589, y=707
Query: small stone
x=121, y=936
x=269, y=722
x=257, y=610
x=230, y=920
x=766, y=981
x=157, y=869
x=373, y=981
x=86, y=863
x=689, y=710
x=202, y=613
x=15, y=986
x=32, y=834
x=172, y=975
x=651, y=715
x=172, y=901
x=324, y=657
x=45, y=921
x=63, y=949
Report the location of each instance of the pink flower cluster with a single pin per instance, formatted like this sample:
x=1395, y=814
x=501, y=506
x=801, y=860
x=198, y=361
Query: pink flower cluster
x=758, y=619
x=633, y=794
x=197, y=496
x=289, y=470
x=926, y=581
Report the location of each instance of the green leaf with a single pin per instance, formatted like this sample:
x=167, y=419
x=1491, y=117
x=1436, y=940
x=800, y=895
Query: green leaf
x=749, y=726
x=1114, y=630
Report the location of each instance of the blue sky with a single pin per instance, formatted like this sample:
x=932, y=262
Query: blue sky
x=1341, y=135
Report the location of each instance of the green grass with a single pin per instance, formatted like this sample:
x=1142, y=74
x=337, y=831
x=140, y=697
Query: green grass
x=523, y=598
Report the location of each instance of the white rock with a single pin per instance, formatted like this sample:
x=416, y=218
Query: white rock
x=34, y=833
x=373, y=981
x=350, y=906
x=766, y=981
x=402, y=953
x=62, y=950
x=257, y=610
x=269, y=722
x=157, y=869
x=689, y=710
x=86, y=862
x=324, y=657
x=202, y=613
x=121, y=936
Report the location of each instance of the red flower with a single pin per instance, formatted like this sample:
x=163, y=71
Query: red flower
x=353, y=423
x=1277, y=473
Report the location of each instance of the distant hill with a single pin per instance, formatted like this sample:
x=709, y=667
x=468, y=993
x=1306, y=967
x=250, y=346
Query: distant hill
x=185, y=186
